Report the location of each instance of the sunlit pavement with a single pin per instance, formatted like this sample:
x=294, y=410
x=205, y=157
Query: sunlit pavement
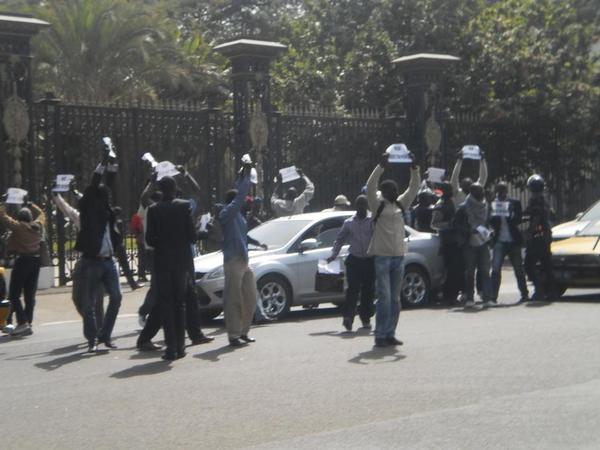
x=515, y=376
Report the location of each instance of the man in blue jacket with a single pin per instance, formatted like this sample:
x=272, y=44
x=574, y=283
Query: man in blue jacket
x=239, y=295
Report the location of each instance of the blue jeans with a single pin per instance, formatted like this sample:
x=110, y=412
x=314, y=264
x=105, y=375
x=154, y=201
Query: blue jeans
x=94, y=273
x=477, y=259
x=389, y=272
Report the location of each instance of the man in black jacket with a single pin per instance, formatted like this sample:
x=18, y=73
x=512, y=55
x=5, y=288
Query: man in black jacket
x=171, y=233
x=505, y=219
x=98, y=241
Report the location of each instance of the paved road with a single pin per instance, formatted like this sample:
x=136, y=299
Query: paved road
x=517, y=376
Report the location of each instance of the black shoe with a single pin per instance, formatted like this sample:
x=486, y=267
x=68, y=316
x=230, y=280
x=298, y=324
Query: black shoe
x=181, y=354
x=380, y=342
x=148, y=346
x=202, y=340
x=247, y=338
x=393, y=341
x=107, y=343
x=347, y=322
x=236, y=342
x=366, y=324
x=92, y=347
x=134, y=285
x=169, y=357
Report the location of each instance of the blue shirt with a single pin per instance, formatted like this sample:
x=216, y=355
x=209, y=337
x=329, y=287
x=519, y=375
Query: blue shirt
x=358, y=233
x=233, y=223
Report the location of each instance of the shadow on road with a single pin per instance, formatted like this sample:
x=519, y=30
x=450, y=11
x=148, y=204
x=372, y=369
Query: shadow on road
x=151, y=368
x=57, y=363
x=361, y=332
x=213, y=355
x=378, y=355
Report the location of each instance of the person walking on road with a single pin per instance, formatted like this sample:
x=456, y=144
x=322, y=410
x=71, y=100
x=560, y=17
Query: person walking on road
x=472, y=219
x=506, y=216
x=388, y=247
x=25, y=240
x=538, y=254
x=171, y=233
x=360, y=267
x=97, y=241
x=292, y=203
x=239, y=295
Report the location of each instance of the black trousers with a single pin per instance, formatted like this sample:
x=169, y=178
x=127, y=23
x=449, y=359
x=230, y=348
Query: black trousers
x=455, y=270
x=539, y=256
x=24, y=278
x=192, y=317
x=170, y=290
x=150, y=299
x=360, y=274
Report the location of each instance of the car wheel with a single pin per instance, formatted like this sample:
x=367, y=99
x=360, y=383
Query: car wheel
x=415, y=287
x=209, y=314
x=274, y=297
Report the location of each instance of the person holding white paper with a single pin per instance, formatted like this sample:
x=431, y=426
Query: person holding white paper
x=25, y=240
x=461, y=190
x=473, y=221
x=388, y=247
x=360, y=267
x=292, y=203
x=505, y=220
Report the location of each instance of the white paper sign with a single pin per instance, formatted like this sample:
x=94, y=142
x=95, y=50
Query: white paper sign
x=63, y=182
x=204, y=220
x=333, y=268
x=484, y=232
x=253, y=176
x=289, y=174
x=148, y=157
x=108, y=142
x=15, y=196
x=500, y=209
x=435, y=174
x=246, y=159
x=398, y=153
x=166, y=169
x=471, y=152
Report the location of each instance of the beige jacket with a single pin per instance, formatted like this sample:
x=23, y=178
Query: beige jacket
x=459, y=196
x=26, y=237
x=389, y=233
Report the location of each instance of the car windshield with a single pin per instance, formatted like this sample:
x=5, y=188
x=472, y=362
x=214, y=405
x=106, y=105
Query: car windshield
x=276, y=234
x=593, y=229
x=593, y=213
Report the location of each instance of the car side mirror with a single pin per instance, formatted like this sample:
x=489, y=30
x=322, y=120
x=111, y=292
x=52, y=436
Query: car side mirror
x=308, y=244
x=578, y=215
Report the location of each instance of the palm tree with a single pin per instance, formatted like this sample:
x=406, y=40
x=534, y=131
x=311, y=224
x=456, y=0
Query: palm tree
x=110, y=50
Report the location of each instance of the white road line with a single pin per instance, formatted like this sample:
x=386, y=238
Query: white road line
x=122, y=316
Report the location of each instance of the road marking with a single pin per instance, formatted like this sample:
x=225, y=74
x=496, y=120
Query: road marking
x=122, y=316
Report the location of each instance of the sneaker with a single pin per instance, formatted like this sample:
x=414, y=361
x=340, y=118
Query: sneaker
x=8, y=328
x=347, y=322
x=23, y=329
x=141, y=320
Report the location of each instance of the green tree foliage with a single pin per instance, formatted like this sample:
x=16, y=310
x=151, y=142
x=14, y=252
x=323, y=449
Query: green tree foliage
x=113, y=49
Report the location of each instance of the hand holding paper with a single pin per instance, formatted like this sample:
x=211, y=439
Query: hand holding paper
x=398, y=153
x=110, y=147
x=289, y=174
x=332, y=268
x=16, y=196
x=166, y=169
x=149, y=158
x=471, y=152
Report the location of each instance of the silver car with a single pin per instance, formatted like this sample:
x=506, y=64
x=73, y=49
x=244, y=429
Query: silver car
x=285, y=272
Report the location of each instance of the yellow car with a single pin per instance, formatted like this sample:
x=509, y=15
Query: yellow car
x=576, y=261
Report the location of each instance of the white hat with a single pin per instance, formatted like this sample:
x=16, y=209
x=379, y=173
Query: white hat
x=341, y=200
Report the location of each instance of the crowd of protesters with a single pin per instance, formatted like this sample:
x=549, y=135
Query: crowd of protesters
x=475, y=238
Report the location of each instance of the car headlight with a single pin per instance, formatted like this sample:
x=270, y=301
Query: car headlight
x=219, y=272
